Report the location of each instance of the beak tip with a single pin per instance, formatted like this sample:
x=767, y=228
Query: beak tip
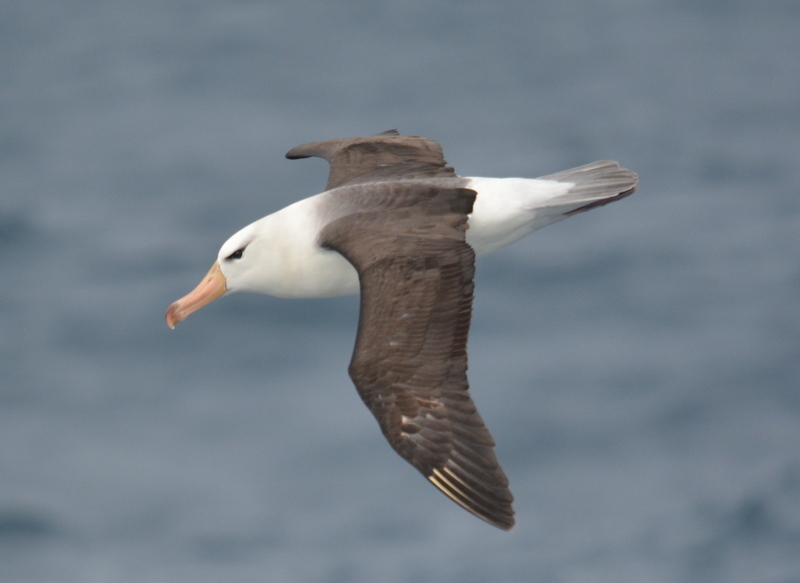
x=172, y=316
x=210, y=288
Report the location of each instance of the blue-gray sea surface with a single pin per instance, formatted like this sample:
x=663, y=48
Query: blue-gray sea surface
x=638, y=365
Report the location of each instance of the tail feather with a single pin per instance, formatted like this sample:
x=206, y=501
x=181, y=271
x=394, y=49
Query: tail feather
x=595, y=184
x=508, y=209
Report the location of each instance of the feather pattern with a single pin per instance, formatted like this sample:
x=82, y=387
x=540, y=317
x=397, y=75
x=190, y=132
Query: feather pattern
x=409, y=363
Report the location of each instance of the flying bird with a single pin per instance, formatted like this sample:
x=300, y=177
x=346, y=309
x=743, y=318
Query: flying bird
x=397, y=225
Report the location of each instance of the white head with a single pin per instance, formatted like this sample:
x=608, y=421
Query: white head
x=240, y=266
x=237, y=258
x=277, y=255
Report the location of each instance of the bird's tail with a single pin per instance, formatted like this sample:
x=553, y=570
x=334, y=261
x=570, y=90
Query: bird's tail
x=595, y=185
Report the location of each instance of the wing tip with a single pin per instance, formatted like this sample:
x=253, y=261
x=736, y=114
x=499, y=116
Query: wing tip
x=325, y=148
x=497, y=512
x=298, y=153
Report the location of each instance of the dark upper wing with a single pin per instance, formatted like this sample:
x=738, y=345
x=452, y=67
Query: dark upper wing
x=386, y=156
x=410, y=361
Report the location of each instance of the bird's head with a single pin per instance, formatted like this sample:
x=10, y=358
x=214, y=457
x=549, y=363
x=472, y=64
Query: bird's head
x=232, y=271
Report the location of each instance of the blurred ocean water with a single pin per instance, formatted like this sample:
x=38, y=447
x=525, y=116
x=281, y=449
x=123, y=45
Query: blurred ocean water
x=639, y=365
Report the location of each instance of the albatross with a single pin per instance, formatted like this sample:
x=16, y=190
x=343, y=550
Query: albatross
x=397, y=225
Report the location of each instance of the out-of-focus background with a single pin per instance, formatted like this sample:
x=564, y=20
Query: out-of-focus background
x=638, y=365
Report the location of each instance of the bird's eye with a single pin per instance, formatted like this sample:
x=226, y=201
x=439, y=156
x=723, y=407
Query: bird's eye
x=236, y=254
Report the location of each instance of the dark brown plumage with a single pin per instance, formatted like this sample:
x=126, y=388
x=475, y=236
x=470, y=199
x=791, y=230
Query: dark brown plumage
x=409, y=364
x=406, y=239
x=386, y=156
